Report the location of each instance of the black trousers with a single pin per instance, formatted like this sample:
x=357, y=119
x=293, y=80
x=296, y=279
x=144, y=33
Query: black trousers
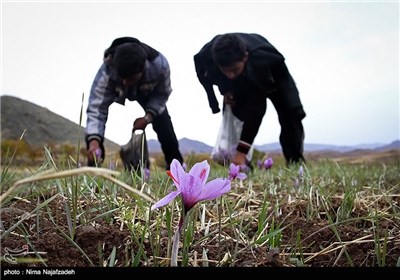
x=251, y=106
x=292, y=134
x=164, y=129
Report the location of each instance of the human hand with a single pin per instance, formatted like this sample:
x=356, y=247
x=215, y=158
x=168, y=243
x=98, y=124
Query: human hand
x=94, y=151
x=140, y=123
x=239, y=159
x=229, y=98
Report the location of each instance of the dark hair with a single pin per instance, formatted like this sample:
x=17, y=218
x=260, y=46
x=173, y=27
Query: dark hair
x=228, y=49
x=129, y=59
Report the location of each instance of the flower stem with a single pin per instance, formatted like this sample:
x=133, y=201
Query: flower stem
x=175, y=242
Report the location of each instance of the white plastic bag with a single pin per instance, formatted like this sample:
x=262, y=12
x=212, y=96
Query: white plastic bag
x=228, y=138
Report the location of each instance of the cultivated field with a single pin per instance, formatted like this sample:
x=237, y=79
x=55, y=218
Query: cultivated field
x=338, y=212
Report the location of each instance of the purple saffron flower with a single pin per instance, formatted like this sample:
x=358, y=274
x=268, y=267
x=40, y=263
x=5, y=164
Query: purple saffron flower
x=234, y=172
x=98, y=153
x=259, y=164
x=111, y=166
x=192, y=186
x=301, y=171
x=299, y=178
x=268, y=163
x=223, y=155
x=146, y=174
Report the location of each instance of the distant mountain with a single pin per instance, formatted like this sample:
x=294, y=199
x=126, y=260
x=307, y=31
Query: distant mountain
x=308, y=147
x=186, y=146
x=192, y=146
x=391, y=146
x=42, y=127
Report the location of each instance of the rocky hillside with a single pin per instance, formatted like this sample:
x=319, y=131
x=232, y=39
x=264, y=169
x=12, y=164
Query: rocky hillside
x=42, y=127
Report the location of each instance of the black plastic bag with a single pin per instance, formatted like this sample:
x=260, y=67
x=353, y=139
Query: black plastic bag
x=135, y=153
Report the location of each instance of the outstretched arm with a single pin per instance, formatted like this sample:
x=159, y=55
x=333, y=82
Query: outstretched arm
x=207, y=84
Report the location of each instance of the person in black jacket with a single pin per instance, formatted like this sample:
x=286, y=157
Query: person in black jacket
x=247, y=70
x=131, y=70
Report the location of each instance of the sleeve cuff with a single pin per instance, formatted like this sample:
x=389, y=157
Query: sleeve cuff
x=94, y=136
x=243, y=147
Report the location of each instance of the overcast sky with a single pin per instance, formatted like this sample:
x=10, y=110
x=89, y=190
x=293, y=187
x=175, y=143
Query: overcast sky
x=344, y=57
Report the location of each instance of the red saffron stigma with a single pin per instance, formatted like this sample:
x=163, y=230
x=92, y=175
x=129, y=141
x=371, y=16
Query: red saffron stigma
x=172, y=177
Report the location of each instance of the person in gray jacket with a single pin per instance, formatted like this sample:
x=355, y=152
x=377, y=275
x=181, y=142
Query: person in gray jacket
x=135, y=71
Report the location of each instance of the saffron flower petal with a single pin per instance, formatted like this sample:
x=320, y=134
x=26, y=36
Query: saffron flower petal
x=201, y=170
x=301, y=171
x=215, y=189
x=165, y=200
x=241, y=176
x=192, y=186
x=193, y=190
x=268, y=163
x=234, y=172
x=190, y=191
x=176, y=172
